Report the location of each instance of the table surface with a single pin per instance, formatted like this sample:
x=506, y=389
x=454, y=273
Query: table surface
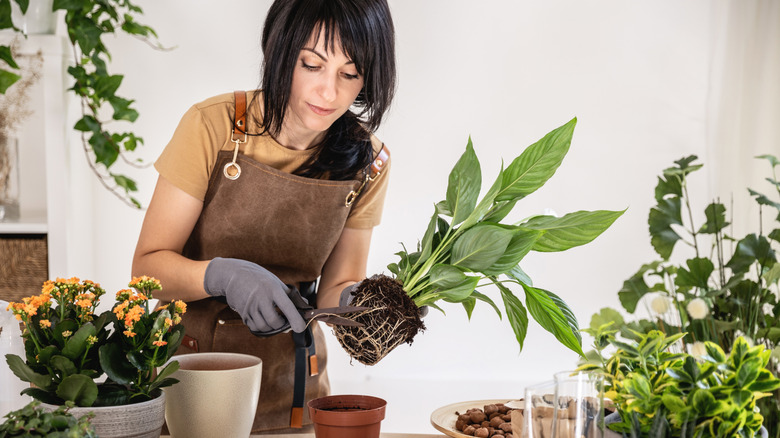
x=311, y=435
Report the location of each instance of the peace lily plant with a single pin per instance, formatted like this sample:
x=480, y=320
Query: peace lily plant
x=466, y=247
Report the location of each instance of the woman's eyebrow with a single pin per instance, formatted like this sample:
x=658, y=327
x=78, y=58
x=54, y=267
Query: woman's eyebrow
x=323, y=57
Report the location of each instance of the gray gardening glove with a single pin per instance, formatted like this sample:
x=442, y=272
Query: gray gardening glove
x=346, y=297
x=255, y=293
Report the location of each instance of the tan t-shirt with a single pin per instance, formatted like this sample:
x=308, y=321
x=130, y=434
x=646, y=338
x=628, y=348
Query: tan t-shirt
x=205, y=129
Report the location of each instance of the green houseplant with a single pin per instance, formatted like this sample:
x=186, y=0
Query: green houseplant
x=87, y=21
x=708, y=284
x=662, y=393
x=67, y=346
x=32, y=421
x=466, y=247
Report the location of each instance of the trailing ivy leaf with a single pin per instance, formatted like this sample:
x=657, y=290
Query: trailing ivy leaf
x=536, y=164
x=106, y=152
x=551, y=318
x=106, y=86
x=465, y=182
x=697, y=274
x=5, y=55
x=571, y=230
x=7, y=79
x=480, y=246
x=122, y=110
x=716, y=219
x=79, y=388
x=751, y=249
x=5, y=15
x=516, y=313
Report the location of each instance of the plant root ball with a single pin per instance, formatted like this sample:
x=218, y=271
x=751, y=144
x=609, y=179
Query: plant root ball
x=392, y=319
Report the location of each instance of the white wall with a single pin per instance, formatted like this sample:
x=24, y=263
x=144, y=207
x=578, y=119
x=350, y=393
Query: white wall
x=638, y=75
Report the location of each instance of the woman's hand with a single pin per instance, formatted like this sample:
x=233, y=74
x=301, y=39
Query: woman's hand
x=255, y=294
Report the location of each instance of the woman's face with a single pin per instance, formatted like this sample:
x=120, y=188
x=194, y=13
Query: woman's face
x=324, y=86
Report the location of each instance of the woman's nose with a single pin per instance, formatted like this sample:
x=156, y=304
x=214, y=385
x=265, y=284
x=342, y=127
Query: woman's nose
x=328, y=89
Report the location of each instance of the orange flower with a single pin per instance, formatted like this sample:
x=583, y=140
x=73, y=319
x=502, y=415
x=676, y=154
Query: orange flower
x=181, y=307
x=134, y=315
x=159, y=343
x=168, y=322
x=45, y=323
x=129, y=333
x=48, y=287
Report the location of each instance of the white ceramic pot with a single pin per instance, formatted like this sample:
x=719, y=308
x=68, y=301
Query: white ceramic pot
x=138, y=420
x=216, y=396
x=11, y=342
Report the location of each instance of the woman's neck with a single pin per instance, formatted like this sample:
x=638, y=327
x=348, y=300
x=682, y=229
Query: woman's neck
x=298, y=139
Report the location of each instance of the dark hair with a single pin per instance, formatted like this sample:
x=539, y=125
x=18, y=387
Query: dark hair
x=365, y=30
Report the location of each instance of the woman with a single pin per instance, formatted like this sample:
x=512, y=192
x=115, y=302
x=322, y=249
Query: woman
x=256, y=201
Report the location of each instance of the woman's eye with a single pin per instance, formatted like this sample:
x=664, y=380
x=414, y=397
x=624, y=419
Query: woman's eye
x=308, y=67
x=350, y=76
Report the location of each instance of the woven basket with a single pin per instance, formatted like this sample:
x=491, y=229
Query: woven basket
x=23, y=265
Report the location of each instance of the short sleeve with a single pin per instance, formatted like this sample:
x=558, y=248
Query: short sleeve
x=187, y=160
x=367, y=212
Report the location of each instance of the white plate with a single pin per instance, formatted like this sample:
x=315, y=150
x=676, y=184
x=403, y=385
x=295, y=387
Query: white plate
x=443, y=419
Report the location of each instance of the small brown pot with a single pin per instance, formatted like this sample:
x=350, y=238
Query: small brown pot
x=347, y=416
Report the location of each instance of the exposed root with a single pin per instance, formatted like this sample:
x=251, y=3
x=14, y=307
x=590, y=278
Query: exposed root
x=393, y=319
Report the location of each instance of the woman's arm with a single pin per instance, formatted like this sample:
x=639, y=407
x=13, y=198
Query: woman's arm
x=169, y=220
x=345, y=266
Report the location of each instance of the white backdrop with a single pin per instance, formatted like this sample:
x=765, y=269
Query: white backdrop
x=650, y=82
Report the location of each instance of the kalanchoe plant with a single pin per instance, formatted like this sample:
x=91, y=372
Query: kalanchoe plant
x=32, y=421
x=659, y=393
x=466, y=247
x=67, y=346
x=708, y=283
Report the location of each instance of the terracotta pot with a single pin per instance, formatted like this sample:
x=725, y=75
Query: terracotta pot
x=347, y=416
x=138, y=420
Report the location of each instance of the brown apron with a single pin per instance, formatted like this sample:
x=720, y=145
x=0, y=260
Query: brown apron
x=289, y=225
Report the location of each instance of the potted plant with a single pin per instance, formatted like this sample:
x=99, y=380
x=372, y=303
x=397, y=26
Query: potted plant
x=466, y=247
x=661, y=392
x=708, y=283
x=68, y=347
x=87, y=21
x=32, y=421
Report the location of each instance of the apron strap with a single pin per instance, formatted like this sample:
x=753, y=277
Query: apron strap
x=304, y=344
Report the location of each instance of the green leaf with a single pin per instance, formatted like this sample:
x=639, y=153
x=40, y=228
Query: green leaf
x=573, y=229
x=771, y=158
x=5, y=55
x=5, y=15
x=518, y=274
x=764, y=200
x=454, y=285
x=106, y=152
x=772, y=275
x=114, y=362
x=741, y=397
x=516, y=313
x=480, y=247
x=748, y=371
x=521, y=243
x=7, y=79
x=125, y=182
x=500, y=211
x=122, y=110
x=605, y=316
x=751, y=249
x=162, y=377
x=79, y=388
x=87, y=124
x=697, y=274
x=23, y=5
x=635, y=288
x=468, y=305
x=69, y=5
x=673, y=403
x=25, y=373
x=536, y=164
x=716, y=219
x=464, y=185
x=427, y=241
x=486, y=299
x=567, y=312
x=63, y=364
x=77, y=343
x=545, y=311
x=660, y=221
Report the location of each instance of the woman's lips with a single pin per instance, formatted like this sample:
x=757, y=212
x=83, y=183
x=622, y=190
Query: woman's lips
x=320, y=111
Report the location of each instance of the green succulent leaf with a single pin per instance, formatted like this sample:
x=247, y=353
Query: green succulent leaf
x=63, y=364
x=114, y=362
x=79, y=388
x=77, y=343
x=571, y=230
x=25, y=373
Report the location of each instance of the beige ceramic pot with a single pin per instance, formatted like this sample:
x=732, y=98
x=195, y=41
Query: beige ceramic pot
x=347, y=416
x=138, y=420
x=216, y=396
